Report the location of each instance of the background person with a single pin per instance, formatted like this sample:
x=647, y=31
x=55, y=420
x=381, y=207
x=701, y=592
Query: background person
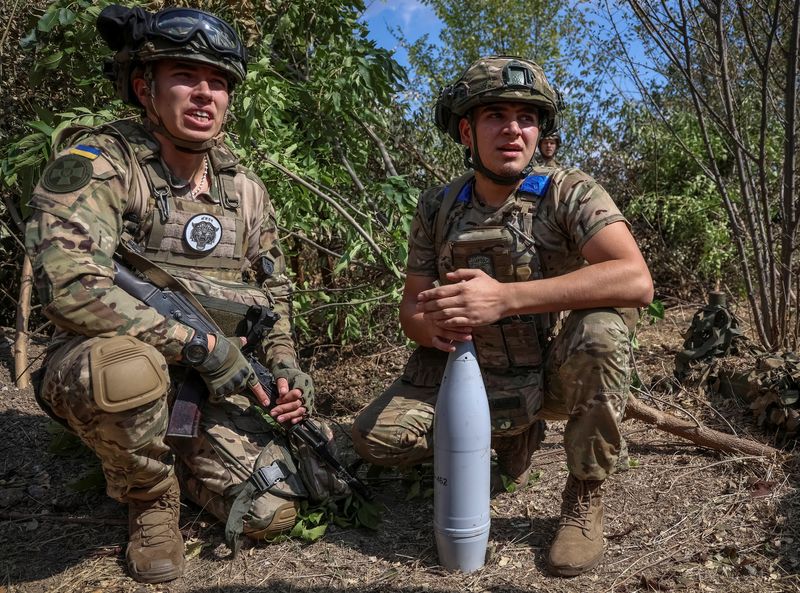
x=548, y=147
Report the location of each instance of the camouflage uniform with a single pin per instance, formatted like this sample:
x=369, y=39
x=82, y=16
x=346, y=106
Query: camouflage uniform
x=553, y=162
x=585, y=365
x=91, y=194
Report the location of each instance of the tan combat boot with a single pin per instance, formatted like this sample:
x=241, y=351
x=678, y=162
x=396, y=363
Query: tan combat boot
x=578, y=545
x=514, y=456
x=155, y=545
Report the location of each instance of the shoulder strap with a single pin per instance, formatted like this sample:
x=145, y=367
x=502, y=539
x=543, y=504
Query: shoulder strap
x=225, y=164
x=67, y=136
x=452, y=193
x=145, y=149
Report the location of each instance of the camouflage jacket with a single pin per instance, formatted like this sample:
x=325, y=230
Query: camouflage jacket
x=572, y=210
x=78, y=208
x=551, y=162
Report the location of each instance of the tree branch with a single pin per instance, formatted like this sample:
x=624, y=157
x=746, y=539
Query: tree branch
x=21, y=366
x=359, y=229
x=387, y=160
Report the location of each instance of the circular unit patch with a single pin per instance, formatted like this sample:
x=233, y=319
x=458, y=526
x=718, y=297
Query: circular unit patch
x=203, y=232
x=67, y=173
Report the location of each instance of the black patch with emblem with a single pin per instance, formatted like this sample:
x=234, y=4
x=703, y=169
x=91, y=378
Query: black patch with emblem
x=483, y=262
x=67, y=173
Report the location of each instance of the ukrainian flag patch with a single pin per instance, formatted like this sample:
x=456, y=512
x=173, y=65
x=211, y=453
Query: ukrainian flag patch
x=90, y=152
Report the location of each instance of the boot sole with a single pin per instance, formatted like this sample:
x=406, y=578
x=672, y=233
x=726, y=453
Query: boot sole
x=573, y=571
x=151, y=578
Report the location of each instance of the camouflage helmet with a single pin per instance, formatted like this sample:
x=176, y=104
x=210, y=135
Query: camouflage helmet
x=552, y=136
x=140, y=37
x=494, y=79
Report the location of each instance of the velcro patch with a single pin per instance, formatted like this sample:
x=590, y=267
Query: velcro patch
x=67, y=174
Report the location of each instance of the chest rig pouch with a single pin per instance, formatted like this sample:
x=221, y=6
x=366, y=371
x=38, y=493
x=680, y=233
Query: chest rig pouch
x=510, y=351
x=198, y=242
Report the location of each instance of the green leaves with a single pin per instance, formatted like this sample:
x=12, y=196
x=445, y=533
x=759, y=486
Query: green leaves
x=655, y=310
x=313, y=520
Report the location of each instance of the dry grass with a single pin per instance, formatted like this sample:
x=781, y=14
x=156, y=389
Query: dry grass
x=680, y=519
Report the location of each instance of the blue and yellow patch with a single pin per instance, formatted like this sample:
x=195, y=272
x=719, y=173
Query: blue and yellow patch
x=90, y=152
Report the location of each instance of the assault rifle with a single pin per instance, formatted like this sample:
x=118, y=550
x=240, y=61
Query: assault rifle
x=185, y=416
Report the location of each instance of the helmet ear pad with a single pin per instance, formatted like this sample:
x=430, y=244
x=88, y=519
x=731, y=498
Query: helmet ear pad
x=444, y=118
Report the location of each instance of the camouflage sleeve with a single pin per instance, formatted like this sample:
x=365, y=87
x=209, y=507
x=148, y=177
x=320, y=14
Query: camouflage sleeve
x=269, y=263
x=71, y=238
x=421, y=237
x=584, y=206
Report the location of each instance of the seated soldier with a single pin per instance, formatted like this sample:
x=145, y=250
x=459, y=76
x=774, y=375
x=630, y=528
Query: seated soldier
x=494, y=257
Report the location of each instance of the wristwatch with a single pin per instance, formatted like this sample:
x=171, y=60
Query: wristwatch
x=196, y=350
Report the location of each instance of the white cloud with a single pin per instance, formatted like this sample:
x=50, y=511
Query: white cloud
x=412, y=16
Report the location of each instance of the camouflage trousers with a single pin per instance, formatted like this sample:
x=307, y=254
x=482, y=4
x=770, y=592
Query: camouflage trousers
x=586, y=382
x=140, y=462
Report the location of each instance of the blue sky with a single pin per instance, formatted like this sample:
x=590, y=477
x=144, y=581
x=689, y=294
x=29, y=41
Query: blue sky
x=412, y=17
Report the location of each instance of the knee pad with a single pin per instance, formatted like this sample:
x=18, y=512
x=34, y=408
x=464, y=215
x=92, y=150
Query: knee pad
x=126, y=373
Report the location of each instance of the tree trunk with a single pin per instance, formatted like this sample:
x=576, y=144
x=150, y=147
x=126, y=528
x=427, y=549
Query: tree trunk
x=21, y=372
x=698, y=434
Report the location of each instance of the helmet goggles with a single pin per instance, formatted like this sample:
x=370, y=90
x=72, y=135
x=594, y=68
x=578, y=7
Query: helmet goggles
x=181, y=24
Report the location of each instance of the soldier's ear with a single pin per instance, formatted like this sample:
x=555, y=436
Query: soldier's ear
x=465, y=129
x=141, y=88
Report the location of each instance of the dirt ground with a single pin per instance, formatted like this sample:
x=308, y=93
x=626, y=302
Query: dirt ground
x=682, y=518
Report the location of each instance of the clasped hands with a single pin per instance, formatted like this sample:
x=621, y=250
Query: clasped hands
x=473, y=299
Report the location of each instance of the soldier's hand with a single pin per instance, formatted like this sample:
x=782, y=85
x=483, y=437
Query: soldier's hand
x=226, y=370
x=474, y=299
x=295, y=395
x=445, y=338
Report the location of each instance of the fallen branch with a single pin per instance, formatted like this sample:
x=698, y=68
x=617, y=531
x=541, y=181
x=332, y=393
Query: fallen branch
x=697, y=433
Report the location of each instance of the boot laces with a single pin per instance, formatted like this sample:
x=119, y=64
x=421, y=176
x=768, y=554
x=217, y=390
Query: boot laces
x=576, y=508
x=155, y=520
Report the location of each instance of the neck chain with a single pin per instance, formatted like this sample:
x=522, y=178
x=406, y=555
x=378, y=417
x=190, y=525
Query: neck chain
x=196, y=189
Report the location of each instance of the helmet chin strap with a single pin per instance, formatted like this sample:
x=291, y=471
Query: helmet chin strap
x=473, y=160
